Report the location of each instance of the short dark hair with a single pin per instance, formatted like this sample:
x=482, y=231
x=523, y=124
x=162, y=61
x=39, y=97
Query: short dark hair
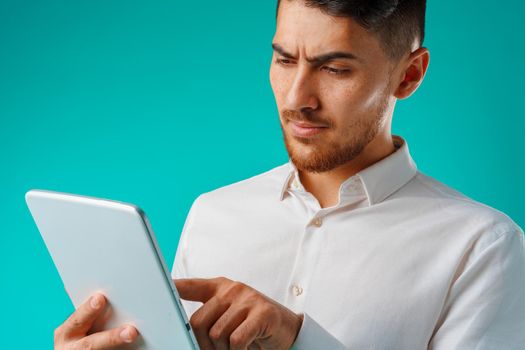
x=397, y=23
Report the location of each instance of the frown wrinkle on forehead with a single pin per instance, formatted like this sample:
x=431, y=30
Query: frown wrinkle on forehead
x=308, y=32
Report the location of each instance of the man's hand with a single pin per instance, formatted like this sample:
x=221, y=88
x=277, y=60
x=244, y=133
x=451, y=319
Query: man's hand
x=235, y=316
x=72, y=334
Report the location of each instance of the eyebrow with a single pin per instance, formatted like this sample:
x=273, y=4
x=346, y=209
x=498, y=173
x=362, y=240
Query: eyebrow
x=317, y=60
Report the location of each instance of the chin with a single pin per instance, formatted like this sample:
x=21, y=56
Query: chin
x=305, y=157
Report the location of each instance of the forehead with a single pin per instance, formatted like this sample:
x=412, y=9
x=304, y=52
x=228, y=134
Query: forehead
x=308, y=29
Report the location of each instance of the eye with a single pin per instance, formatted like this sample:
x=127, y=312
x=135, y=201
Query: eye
x=335, y=71
x=330, y=70
x=283, y=61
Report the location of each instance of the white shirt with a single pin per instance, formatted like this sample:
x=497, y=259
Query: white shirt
x=401, y=262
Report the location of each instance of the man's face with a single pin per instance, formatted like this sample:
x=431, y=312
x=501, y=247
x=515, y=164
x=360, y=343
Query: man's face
x=330, y=110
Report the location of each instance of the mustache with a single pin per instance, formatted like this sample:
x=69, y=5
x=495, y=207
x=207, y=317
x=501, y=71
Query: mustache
x=306, y=116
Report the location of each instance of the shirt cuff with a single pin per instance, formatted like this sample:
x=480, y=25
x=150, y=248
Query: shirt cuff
x=314, y=337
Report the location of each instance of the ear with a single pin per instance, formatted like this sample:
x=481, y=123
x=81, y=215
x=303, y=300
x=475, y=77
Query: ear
x=415, y=67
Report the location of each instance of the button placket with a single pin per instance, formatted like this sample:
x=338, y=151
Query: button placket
x=305, y=263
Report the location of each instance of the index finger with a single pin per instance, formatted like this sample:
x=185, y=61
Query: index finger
x=80, y=321
x=196, y=289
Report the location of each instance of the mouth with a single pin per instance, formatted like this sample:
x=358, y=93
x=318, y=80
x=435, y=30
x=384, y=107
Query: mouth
x=305, y=129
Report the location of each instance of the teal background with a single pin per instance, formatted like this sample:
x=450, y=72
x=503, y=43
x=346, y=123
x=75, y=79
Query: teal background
x=156, y=102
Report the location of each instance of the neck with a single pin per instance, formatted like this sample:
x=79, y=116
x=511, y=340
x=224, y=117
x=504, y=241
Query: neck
x=325, y=186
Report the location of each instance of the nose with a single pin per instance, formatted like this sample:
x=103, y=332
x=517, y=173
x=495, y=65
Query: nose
x=302, y=92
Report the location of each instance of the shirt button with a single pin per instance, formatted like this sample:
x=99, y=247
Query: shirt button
x=295, y=184
x=297, y=290
x=318, y=222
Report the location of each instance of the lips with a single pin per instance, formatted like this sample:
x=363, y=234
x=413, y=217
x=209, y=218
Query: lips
x=305, y=129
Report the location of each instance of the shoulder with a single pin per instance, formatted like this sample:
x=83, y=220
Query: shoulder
x=261, y=187
x=454, y=206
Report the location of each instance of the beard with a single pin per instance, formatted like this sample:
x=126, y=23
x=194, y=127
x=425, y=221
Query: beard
x=317, y=156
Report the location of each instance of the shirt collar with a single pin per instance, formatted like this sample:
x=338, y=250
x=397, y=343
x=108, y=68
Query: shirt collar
x=378, y=181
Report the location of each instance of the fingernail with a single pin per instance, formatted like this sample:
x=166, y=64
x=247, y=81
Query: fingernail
x=96, y=301
x=126, y=335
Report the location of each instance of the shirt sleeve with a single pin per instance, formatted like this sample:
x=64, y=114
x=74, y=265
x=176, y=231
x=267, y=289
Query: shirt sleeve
x=180, y=266
x=485, y=306
x=314, y=337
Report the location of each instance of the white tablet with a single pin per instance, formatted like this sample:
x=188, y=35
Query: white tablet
x=108, y=246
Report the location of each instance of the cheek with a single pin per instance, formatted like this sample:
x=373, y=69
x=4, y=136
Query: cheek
x=342, y=101
x=354, y=98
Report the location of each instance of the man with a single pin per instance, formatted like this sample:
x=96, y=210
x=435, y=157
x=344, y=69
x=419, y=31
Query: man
x=348, y=245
